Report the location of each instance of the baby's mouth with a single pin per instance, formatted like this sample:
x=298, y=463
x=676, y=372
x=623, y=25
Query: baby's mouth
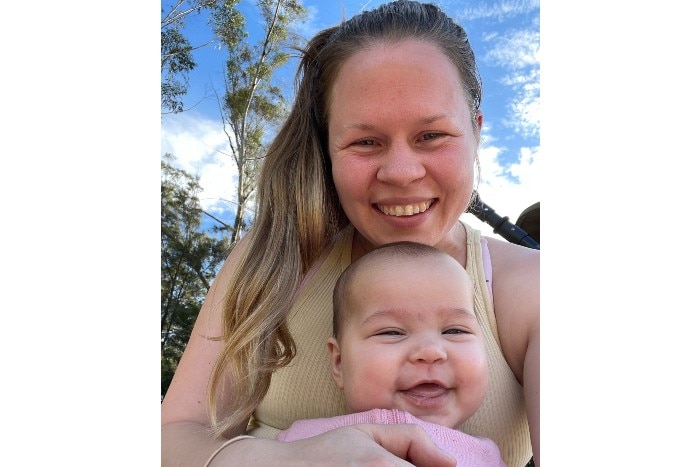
x=426, y=391
x=399, y=210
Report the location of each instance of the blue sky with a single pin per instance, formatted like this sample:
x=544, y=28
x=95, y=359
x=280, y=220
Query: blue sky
x=505, y=37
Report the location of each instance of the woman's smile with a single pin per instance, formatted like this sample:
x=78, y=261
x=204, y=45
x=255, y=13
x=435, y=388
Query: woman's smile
x=405, y=210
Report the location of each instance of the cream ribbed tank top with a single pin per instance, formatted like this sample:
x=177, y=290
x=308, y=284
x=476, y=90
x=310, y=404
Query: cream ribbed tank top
x=305, y=388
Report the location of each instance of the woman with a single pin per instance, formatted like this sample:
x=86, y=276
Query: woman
x=380, y=146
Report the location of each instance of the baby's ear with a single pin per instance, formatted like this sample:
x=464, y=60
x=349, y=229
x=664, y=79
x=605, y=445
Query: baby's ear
x=336, y=366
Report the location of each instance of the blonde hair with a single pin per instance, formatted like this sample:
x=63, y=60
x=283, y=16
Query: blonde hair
x=298, y=210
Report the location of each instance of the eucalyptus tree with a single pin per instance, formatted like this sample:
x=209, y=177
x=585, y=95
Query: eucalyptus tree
x=253, y=104
x=176, y=59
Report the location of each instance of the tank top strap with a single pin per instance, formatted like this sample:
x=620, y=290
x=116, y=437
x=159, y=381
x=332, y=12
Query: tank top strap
x=479, y=270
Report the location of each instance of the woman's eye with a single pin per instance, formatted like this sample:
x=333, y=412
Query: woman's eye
x=430, y=136
x=365, y=142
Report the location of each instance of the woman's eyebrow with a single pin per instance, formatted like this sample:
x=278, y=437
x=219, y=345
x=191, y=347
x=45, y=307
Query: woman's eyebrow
x=422, y=121
x=433, y=118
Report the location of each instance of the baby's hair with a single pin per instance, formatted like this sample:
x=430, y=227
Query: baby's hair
x=341, y=292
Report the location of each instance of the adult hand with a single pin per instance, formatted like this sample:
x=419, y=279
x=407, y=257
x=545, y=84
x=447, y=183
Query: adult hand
x=375, y=445
x=408, y=442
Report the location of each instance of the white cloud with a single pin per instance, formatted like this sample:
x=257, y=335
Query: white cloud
x=528, y=169
x=201, y=148
x=518, y=52
x=507, y=197
x=515, y=49
x=525, y=109
x=494, y=10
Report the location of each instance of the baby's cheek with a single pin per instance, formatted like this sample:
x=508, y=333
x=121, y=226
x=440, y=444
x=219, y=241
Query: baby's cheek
x=373, y=389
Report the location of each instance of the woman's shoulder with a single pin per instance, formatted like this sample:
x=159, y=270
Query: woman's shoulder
x=511, y=260
x=516, y=298
x=516, y=276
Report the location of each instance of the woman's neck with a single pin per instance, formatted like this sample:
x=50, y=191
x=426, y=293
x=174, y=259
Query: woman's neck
x=454, y=244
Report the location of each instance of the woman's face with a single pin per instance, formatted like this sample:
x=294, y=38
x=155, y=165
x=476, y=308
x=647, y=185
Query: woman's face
x=401, y=143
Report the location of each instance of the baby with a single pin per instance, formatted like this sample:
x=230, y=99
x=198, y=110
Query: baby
x=407, y=348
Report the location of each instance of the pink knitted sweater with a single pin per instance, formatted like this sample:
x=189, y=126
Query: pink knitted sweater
x=470, y=451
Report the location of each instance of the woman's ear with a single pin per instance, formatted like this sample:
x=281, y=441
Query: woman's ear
x=336, y=364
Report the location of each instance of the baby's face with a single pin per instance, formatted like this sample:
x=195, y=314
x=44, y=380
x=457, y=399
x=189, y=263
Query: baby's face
x=412, y=342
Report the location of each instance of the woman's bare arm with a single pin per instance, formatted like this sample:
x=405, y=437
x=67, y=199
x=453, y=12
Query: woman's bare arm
x=184, y=415
x=516, y=289
x=399, y=445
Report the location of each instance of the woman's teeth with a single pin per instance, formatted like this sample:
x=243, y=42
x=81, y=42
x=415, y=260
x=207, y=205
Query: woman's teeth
x=405, y=210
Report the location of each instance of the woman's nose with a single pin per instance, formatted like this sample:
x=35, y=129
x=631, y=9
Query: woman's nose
x=400, y=165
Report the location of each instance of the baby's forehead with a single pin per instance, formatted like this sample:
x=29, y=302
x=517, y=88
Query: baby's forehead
x=433, y=271
x=418, y=315
x=419, y=265
x=436, y=257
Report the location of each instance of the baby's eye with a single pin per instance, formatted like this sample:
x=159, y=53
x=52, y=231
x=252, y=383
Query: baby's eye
x=390, y=332
x=455, y=331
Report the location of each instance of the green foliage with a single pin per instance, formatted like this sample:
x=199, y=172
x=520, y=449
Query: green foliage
x=253, y=104
x=228, y=23
x=176, y=60
x=190, y=258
